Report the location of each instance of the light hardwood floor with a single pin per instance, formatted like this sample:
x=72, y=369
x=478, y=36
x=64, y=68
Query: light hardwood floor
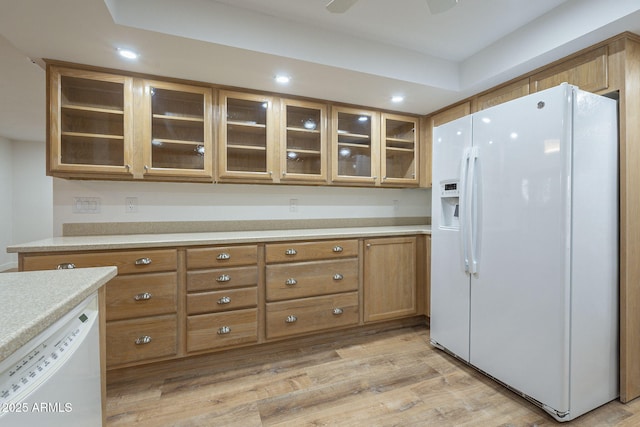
x=391, y=378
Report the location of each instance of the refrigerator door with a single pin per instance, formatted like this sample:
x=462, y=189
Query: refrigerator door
x=449, y=282
x=520, y=293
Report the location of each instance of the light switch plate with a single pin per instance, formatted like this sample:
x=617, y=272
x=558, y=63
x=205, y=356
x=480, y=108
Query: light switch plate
x=86, y=205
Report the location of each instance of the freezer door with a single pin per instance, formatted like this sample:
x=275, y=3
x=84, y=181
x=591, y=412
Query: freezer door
x=449, y=282
x=520, y=293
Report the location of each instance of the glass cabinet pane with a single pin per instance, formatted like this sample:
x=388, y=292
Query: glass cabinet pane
x=90, y=93
x=400, y=149
x=304, y=141
x=246, y=135
x=91, y=122
x=354, y=135
x=177, y=129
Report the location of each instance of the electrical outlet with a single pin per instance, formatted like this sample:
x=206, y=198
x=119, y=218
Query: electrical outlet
x=293, y=205
x=131, y=205
x=396, y=205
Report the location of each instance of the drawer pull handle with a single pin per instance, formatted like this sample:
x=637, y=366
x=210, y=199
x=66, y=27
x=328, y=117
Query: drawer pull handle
x=291, y=282
x=143, y=340
x=143, y=261
x=66, y=266
x=291, y=252
x=338, y=276
x=337, y=311
x=224, y=330
x=337, y=249
x=143, y=296
x=224, y=300
x=291, y=319
x=223, y=256
x=223, y=278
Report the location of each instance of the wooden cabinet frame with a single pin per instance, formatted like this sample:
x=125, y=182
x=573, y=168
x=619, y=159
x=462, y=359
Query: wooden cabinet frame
x=55, y=164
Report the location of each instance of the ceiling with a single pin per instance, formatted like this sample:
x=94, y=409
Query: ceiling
x=375, y=50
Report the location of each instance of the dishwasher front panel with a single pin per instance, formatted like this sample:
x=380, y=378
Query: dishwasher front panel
x=54, y=380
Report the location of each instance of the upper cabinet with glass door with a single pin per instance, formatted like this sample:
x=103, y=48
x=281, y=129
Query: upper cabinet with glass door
x=177, y=131
x=303, y=141
x=246, y=142
x=355, y=143
x=399, y=148
x=90, y=123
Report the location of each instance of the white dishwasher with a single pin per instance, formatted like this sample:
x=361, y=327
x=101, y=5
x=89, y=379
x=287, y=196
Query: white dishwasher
x=54, y=380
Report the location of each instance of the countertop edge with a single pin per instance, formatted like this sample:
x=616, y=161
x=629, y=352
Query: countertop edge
x=98, y=276
x=140, y=241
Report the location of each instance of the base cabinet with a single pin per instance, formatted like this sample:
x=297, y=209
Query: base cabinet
x=389, y=278
x=311, y=286
x=219, y=330
x=142, y=301
x=222, y=297
x=299, y=316
x=142, y=339
x=169, y=303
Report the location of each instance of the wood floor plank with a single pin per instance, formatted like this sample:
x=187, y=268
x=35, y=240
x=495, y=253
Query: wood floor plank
x=390, y=378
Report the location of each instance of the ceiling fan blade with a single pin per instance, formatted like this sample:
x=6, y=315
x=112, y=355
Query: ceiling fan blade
x=439, y=6
x=340, y=6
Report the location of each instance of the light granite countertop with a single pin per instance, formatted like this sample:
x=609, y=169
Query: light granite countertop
x=33, y=301
x=133, y=241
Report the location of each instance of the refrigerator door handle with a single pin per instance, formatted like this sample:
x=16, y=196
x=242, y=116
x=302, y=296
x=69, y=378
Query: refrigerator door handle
x=464, y=212
x=472, y=212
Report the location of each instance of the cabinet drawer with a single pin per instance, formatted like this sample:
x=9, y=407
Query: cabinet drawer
x=222, y=256
x=287, y=281
x=311, y=314
x=207, y=331
x=143, y=261
x=231, y=299
x=222, y=278
x=306, y=251
x=139, y=339
x=141, y=295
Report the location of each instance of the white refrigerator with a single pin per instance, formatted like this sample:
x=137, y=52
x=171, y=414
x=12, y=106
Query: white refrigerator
x=524, y=279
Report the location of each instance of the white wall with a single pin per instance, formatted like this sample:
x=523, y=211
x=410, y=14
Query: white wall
x=219, y=202
x=6, y=210
x=26, y=208
x=33, y=193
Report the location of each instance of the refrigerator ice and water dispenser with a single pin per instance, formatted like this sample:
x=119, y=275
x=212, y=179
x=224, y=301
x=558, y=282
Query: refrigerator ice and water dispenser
x=450, y=203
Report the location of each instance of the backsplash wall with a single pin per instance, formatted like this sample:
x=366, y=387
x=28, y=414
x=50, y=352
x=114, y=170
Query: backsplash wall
x=156, y=201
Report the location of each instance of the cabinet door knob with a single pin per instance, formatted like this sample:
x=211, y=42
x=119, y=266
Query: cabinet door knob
x=224, y=300
x=224, y=330
x=143, y=296
x=223, y=256
x=291, y=282
x=223, y=278
x=291, y=319
x=66, y=266
x=338, y=276
x=337, y=249
x=143, y=340
x=291, y=252
x=337, y=311
x=143, y=261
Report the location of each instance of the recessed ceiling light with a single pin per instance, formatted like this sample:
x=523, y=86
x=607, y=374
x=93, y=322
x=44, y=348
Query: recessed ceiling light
x=282, y=79
x=128, y=53
x=397, y=98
